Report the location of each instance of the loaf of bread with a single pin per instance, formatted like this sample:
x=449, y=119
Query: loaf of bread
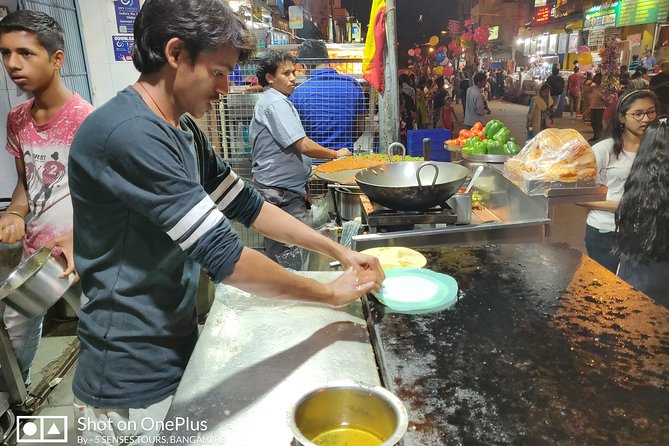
x=554, y=155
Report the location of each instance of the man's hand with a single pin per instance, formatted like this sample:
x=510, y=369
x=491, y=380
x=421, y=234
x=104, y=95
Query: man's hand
x=64, y=246
x=367, y=266
x=12, y=228
x=352, y=285
x=342, y=152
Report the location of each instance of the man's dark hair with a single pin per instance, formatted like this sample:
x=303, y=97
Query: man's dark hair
x=479, y=79
x=312, y=49
x=576, y=69
x=556, y=69
x=46, y=29
x=203, y=25
x=269, y=62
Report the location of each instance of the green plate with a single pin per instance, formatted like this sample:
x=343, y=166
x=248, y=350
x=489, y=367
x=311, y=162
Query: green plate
x=410, y=290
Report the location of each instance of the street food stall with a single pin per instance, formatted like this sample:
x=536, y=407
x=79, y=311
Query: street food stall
x=542, y=346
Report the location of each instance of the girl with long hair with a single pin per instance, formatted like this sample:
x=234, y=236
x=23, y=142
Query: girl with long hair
x=615, y=156
x=642, y=219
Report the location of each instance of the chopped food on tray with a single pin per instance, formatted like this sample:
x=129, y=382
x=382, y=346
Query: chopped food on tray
x=361, y=162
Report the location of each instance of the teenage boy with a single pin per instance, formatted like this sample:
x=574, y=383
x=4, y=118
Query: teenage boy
x=39, y=134
x=152, y=202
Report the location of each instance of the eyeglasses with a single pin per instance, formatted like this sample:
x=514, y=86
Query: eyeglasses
x=638, y=115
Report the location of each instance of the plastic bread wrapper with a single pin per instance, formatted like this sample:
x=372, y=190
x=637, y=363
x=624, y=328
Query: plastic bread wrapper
x=553, y=159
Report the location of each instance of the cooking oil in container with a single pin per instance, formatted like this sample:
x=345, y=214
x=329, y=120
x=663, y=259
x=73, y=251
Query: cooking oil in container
x=347, y=436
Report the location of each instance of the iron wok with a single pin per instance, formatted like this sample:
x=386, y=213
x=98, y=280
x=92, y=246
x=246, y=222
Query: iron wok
x=412, y=186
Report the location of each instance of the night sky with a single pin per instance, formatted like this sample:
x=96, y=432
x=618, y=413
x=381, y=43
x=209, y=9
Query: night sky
x=436, y=14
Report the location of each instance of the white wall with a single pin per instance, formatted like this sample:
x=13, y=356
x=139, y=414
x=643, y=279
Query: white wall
x=98, y=23
x=10, y=96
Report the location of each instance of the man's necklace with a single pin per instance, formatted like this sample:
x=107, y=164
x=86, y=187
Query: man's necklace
x=154, y=103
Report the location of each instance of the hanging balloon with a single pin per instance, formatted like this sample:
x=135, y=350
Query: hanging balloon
x=411, y=52
x=416, y=52
x=468, y=36
x=452, y=47
x=481, y=35
x=434, y=40
x=439, y=70
x=583, y=49
x=440, y=57
x=448, y=70
x=442, y=48
x=585, y=58
x=444, y=62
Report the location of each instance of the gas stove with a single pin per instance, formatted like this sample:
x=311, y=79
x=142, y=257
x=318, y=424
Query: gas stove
x=381, y=219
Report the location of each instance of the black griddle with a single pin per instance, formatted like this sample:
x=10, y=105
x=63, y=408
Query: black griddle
x=543, y=347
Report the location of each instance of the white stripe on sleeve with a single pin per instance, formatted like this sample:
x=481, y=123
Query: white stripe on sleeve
x=193, y=216
x=212, y=220
x=231, y=195
x=226, y=183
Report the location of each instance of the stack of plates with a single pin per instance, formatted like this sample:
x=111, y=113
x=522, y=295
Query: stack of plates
x=417, y=290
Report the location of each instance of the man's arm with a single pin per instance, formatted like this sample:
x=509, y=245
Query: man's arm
x=12, y=222
x=311, y=148
x=606, y=206
x=479, y=105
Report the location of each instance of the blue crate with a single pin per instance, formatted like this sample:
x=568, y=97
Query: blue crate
x=437, y=150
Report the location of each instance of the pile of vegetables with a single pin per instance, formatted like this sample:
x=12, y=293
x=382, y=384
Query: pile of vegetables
x=493, y=139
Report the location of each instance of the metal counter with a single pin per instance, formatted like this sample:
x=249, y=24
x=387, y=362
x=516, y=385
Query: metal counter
x=256, y=357
x=543, y=347
x=510, y=216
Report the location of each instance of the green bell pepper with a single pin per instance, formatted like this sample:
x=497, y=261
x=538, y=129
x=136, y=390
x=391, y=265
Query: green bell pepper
x=466, y=149
x=471, y=142
x=492, y=127
x=495, y=148
x=512, y=148
x=478, y=148
x=502, y=136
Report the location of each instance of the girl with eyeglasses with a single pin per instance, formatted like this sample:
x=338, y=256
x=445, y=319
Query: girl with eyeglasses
x=614, y=156
x=642, y=219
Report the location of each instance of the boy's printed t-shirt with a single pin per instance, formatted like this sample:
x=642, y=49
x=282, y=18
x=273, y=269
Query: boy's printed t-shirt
x=45, y=149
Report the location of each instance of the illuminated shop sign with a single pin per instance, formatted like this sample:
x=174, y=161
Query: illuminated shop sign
x=601, y=16
x=542, y=14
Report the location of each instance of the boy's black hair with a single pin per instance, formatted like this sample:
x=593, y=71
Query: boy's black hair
x=46, y=29
x=203, y=25
x=269, y=63
x=312, y=49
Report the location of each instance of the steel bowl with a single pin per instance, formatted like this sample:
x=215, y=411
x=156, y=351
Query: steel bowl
x=348, y=412
x=34, y=286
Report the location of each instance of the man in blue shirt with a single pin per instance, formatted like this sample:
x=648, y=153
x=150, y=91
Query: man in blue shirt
x=331, y=105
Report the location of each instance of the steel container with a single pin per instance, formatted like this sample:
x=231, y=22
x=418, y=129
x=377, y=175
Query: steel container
x=34, y=286
x=345, y=412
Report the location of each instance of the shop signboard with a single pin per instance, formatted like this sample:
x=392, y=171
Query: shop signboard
x=640, y=12
x=126, y=13
x=562, y=43
x=596, y=39
x=494, y=33
x=552, y=44
x=295, y=17
x=601, y=16
x=542, y=14
x=572, y=46
x=539, y=3
x=123, y=47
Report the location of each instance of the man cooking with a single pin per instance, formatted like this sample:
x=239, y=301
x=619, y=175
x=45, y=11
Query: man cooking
x=282, y=151
x=151, y=207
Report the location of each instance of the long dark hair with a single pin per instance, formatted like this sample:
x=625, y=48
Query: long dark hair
x=642, y=218
x=203, y=25
x=617, y=128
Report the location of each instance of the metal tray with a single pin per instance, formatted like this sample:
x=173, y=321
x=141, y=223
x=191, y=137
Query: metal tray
x=485, y=158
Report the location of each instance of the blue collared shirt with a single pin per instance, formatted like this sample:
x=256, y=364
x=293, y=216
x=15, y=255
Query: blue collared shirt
x=328, y=104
